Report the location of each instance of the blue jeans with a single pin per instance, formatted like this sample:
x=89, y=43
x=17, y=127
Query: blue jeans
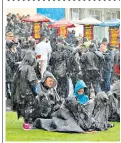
x=96, y=86
x=105, y=86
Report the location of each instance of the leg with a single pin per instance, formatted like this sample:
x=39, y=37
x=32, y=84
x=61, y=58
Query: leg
x=43, y=67
x=107, y=81
x=96, y=87
x=88, y=84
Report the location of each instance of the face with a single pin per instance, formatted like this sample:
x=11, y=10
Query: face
x=102, y=47
x=49, y=82
x=9, y=37
x=81, y=91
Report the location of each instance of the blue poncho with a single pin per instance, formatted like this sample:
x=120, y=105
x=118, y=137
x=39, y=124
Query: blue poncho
x=82, y=98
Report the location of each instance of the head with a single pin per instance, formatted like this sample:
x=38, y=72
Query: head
x=85, y=39
x=92, y=47
x=60, y=39
x=10, y=15
x=29, y=59
x=26, y=45
x=9, y=36
x=18, y=15
x=103, y=47
x=13, y=17
x=49, y=82
x=80, y=88
x=105, y=41
x=73, y=32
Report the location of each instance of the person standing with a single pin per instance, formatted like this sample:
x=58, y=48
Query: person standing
x=11, y=66
x=107, y=68
x=43, y=52
x=25, y=90
x=91, y=67
x=58, y=63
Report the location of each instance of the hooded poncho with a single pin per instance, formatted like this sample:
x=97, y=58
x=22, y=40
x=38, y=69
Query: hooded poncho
x=82, y=98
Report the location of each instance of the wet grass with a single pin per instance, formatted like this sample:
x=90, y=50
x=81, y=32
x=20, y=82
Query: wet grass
x=15, y=132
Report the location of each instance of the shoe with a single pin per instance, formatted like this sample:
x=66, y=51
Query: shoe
x=27, y=126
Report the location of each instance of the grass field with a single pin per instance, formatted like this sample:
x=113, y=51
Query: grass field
x=14, y=132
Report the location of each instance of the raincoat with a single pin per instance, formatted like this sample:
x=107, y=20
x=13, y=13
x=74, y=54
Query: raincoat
x=82, y=98
x=75, y=117
x=23, y=94
x=48, y=98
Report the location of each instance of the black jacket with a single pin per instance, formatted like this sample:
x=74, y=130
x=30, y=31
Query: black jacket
x=107, y=66
x=91, y=65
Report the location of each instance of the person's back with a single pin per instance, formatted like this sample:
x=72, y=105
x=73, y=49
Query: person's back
x=43, y=49
x=91, y=70
x=58, y=60
x=43, y=53
x=90, y=60
x=108, y=61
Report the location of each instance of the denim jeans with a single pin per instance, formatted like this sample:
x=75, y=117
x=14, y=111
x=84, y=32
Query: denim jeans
x=105, y=86
x=96, y=86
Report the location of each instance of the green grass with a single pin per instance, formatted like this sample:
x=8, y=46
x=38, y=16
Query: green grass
x=14, y=132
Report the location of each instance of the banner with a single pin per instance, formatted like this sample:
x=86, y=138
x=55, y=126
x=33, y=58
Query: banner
x=88, y=32
x=36, y=30
x=113, y=34
x=62, y=31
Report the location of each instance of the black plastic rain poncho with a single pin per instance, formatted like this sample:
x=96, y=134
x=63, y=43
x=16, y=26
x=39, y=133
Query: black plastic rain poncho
x=74, y=117
x=11, y=59
x=59, y=69
x=91, y=65
x=25, y=80
x=48, y=98
x=114, y=102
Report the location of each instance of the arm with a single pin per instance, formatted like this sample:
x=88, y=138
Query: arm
x=10, y=60
x=32, y=79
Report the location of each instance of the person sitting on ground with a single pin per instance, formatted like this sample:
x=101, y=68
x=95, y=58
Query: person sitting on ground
x=48, y=98
x=80, y=92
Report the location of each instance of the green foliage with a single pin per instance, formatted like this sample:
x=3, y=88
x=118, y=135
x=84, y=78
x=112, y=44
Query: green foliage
x=15, y=132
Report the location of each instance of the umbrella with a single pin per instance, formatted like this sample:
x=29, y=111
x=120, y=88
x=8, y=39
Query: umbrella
x=112, y=22
x=37, y=18
x=62, y=22
x=88, y=20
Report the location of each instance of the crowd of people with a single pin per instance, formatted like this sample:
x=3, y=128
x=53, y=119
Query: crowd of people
x=38, y=78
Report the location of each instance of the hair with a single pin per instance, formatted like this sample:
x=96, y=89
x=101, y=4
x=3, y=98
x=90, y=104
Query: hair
x=104, y=40
x=102, y=43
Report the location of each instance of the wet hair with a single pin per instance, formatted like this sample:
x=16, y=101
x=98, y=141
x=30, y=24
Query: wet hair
x=104, y=40
x=85, y=39
x=102, y=43
x=49, y=77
